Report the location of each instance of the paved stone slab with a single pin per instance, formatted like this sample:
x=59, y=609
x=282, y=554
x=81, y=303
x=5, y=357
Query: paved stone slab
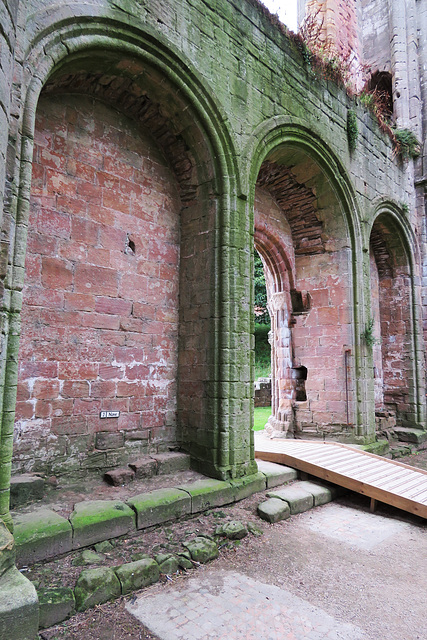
x=297, y=498
x=19, y=610
x=56, y=605
x=25, y=488
x=159, y=506
x=97, y=520
x=321, y=494
x=356, y=528
x=40, y=535
x=208, y=493
x=245, y=487
x=274, y=510
x=276, y=474
x=231, y=605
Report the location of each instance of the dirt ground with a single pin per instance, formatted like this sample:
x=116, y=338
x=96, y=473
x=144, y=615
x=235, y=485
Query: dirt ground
x=381, y=590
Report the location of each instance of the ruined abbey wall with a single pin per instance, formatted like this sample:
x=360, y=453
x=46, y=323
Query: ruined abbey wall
x=141, y=137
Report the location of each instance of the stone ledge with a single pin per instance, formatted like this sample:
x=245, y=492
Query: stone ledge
x=406, y=434
x=25, y=488
x=161, y=505
x=276, y=474
x=40, y=535
x=207, y=493
x=298, y=499
x=245, y=487
x=97, y=520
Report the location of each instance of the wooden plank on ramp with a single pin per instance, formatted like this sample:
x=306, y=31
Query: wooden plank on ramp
x=378, y=478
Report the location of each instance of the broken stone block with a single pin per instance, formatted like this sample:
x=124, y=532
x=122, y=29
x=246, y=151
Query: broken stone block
x=202, y=549
x=96, y=586
x=24, y=489
x=159, y=506
x=136, y=575
x=171, y=462
x=298, y=499
x=88, y=557
x=274, y=510
x=19, y=609
x=55, y=605
x=41, y=534
x=232, y=530
x=254, y=529
x=144, y=467
x=184, y=560
x=167, y=562
x=207, y=493
x=119, y=477
x=97, y=520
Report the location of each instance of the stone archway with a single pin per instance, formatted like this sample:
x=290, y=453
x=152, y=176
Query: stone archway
x=392, y=326
x=302, y=237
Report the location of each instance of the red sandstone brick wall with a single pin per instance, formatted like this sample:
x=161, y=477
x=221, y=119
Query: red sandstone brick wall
x=100, y=320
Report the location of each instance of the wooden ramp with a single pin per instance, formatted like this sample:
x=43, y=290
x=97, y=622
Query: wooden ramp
x=380, y=479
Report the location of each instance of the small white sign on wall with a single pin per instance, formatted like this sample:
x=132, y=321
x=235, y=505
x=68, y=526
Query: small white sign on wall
x=109, y=414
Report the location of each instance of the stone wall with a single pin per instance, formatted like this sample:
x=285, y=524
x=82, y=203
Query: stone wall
x=219, y=98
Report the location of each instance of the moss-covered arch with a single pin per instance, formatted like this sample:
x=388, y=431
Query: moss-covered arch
x=71, y=41
x=268, y=141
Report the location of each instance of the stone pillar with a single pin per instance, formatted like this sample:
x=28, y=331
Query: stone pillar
x=281, y=421
x=8, y=13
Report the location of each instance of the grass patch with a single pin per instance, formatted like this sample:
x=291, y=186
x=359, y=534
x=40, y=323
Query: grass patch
x=261, y=415
x=262, y=351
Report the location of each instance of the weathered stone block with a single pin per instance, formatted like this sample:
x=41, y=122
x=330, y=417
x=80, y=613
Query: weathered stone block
x=55, y=605
x=171, y=462
x=119, y=477
x=19, y=611
x=321, y=494
x=136, y=575
x=406, y=434
x=276, y=474
x=106, y=440
x=41, y=534
x=97, y=520
x=234, y=530
x=95, y=586
x=145, y=467
x=167, y=562
x=297, y=498
x=207, y=493
x=202, y=549
x=25, y=488
x=7, y=549
x=274, y=510
x=248, y=485
x=160, y=506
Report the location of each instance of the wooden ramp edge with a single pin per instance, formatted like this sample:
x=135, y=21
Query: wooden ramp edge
x=387, y=481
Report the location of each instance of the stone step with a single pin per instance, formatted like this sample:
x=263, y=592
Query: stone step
x=409, y=434
x=19, y=611
x=24, y=489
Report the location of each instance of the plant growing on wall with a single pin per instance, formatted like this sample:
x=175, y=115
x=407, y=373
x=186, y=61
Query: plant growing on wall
x=352, y=129
x=368, y=334
x=406, y=144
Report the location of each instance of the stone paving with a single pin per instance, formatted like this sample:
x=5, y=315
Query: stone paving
x=231, y=606
x=357, y=528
